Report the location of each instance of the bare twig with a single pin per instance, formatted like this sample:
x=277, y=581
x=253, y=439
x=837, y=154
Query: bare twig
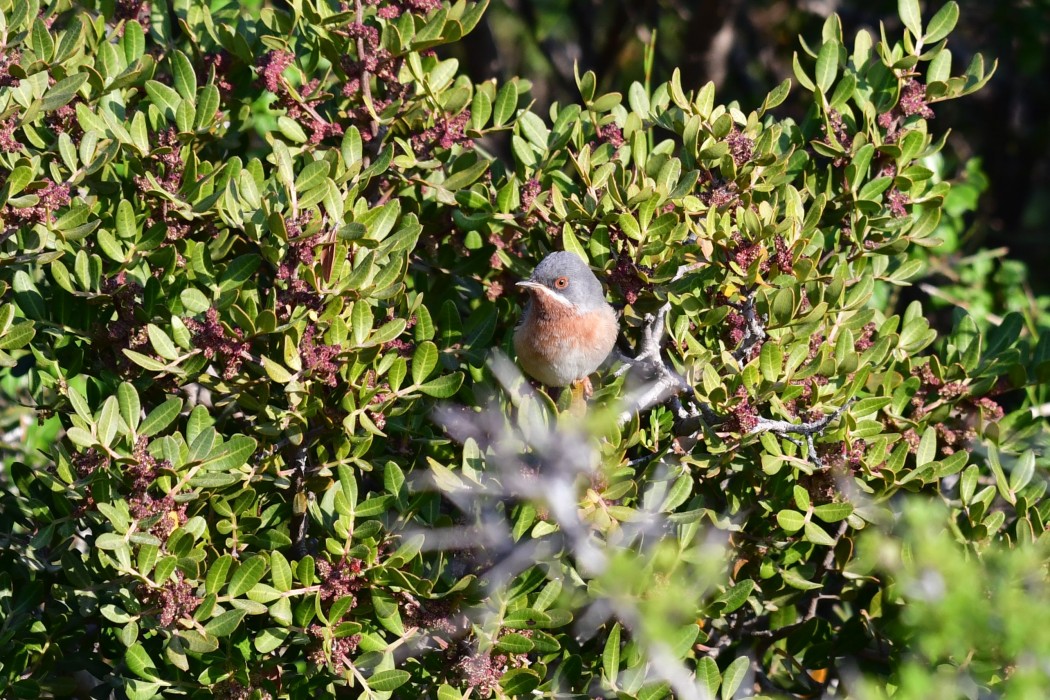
x=754, y=331
x=664, y=382
x=807, y=430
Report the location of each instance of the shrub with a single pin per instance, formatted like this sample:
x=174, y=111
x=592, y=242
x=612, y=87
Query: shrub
x=248, y=253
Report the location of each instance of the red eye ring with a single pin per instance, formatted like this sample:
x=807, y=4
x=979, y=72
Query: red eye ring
x=561, y=283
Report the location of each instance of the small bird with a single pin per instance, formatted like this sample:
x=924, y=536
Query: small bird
x=568, y=328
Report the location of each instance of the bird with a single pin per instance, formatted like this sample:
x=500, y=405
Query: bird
x=567, y=329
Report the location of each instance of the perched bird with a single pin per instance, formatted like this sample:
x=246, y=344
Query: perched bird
x=568, y=328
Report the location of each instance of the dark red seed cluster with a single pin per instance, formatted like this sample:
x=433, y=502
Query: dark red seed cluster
x=741, y=147
x=447, y=132
x=319, y=359
x=173, y=601
x=212, y=338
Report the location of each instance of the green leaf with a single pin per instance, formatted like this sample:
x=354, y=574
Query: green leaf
x=276, y=371
x=27, y=297
x=110, y=541
x=231, y=455
x=515, y=643
x=771, y=360
x=506, y=103
x=164, y=97
x=734, y=676
x=18, y=335
x=249, y=573
x=128, y=400
x=238, y=272
x=611, y=654
x=833, y=512
x=139, y=662
x=827, y=66
x=791, y=520
x=817, y=535
x=194, y=300
x=519, y=682
x=942, y=23
x=162, y=343
x=184, y=77
x=385, y=681
x=312, y=175
x=225, y=624
x=160, y=417
x=280, y=571
x=911, y=16
x=291, y=130
x=707, y=673
x=443, y=387
x=424, y=360
x=927, y=447
x=736, y=596
x=217, y=573
x=108, y=421
x=63, y=91
x=1023, y=471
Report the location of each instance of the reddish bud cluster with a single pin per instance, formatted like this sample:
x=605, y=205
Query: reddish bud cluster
x=529, y=191
x=436, y=616
x=898, y=203
x=87, y=463
x=912, y=101
x=799, y=405
x=232, y=690
x=297, y=294
x=219, y=63
x=64, y=120
x=372, y=61
x=175, y=600
x=143, y=472
x=211, y=337
x=341, y=649
x=609, y=133
x=721, y=196
x=124, y=332
x=744, y=416
x=270, y=67
x=340, y=579
x=782, y=256
x=864, y=342
x=167, y=154
x=839, y=133
x=960, y=428
x=745, y=253
x=741, y=147
x=446, y=133
x=627, y=278
x=8, y=57
x=138, y=10
x=300, y=247
x=8, y=142
x=51, y=197
x=319, y=358
x=482, y=671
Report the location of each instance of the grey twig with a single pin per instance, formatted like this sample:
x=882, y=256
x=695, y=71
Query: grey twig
x=664, y=382
x=807, y=430
x=754, y=331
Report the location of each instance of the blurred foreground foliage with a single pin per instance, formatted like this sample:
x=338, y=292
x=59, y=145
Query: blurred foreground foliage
x=248, y=252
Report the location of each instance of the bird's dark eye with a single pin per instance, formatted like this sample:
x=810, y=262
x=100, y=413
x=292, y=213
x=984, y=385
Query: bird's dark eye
x=561, y=283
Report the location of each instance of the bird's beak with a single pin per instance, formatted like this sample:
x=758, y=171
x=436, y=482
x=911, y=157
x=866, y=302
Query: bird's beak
x=530, y=285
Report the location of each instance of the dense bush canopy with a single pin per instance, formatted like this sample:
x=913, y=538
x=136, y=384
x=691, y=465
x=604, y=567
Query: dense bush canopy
x=258, y=274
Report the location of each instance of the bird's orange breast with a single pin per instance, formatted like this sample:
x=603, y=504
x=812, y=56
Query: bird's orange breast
x=558, y=345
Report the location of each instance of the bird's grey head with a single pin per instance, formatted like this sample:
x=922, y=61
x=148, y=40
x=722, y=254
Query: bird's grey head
x=565, y=277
